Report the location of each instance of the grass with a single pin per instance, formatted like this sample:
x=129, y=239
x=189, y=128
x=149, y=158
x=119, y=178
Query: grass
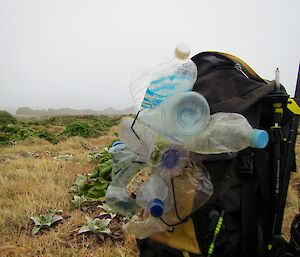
x=31, y=182
x=292, y=201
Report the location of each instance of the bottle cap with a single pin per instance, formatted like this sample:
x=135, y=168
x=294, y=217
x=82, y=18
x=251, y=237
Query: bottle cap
x=116, y=143
x=156, y=208
x=170, y=159
x=182, y=51
x=259, y=138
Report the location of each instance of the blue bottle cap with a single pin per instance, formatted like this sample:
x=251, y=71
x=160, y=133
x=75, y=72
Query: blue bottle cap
x=170, y=159
x=156, y=208
x=116, y=143
x=259, y=138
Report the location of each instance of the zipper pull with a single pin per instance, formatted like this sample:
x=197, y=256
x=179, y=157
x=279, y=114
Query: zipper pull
x=239, y=68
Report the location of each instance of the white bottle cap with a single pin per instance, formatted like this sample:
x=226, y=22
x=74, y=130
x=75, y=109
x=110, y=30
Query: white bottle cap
x=182, y=51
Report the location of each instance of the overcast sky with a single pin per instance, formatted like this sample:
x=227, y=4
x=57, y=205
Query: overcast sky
x=81, y=54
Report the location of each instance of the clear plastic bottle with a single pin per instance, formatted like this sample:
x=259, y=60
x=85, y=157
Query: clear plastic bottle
x=150, y=88
x=227, y=132
x=143, y=227
x=181, y=116
x=126, y=166
x=155, y=196
x=120, y=202
x=167, y=155
x=191, y=190
x=122, y=157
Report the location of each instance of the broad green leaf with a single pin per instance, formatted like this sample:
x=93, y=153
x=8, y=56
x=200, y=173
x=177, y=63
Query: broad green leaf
x=36, y=220
x=106, y=231
x=35, y=230
x=56, y=218
x=48, y=224
x=100, y=186
x=104, y=222
x=84, y=229
x=90, y=222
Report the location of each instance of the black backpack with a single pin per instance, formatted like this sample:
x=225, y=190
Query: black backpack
x=244, y=215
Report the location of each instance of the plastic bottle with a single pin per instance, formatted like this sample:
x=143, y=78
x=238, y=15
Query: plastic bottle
x=182, y=115
x=227, y=132
x=175, y=75
x=119, y=201
x=191, y=190
x=122, y=156
x=167, y=155
x=126, y=166
x=143, y=227
x=155, y=196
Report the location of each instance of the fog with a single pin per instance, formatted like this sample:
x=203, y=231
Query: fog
x=81, y=54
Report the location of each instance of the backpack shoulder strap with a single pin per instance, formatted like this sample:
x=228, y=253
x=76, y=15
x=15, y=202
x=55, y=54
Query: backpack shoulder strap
x=249, y=238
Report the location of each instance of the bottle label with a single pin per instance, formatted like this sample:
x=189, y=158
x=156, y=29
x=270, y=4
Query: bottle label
x=164, y=87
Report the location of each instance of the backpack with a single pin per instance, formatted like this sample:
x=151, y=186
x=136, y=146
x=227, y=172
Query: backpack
x=244, y=215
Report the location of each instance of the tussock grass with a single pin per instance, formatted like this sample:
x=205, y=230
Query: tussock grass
x=31, y=182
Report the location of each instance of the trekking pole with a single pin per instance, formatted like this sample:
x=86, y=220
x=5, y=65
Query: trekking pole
x=217, y=231
x=278, y=105
x=289, y=161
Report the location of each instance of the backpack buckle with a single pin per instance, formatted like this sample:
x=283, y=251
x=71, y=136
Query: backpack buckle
x=246, y=164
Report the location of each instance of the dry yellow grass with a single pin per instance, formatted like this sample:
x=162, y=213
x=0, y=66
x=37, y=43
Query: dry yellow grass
x=31, y=182
x=292, y=204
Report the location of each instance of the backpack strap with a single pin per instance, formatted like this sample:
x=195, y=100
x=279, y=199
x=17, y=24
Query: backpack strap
x=249, y=238
x=264, y=176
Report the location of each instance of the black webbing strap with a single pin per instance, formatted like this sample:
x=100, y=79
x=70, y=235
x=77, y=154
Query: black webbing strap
x=264, y=177
x=249, y=241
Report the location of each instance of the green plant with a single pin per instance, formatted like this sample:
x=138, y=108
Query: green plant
x=4, y=138
x=94, y=185
x=100, y=156
x=79, y=202
x=45, y=220
x=96, y=226
x=104, y=170
x=22, y=134
x=105, y=164
x=107, y=210
x=78, y=128
x=6, y=118
x=92, y=188
x=45, y=134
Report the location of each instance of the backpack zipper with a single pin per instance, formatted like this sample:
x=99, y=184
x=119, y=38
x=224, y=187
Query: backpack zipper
x=237, y=64
x=239, y=68
x=234, y=67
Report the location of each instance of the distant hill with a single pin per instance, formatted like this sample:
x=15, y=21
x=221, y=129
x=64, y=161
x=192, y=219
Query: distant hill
x=26, y=111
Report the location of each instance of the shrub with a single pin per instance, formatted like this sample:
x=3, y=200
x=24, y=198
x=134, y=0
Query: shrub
x=4, y=138
x=6, y=118
x=78, y=128
x=45, y=134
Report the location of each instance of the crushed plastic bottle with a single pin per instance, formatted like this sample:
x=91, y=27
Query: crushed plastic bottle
x=143, y=227
x=123, y=157
x=126, y=166
x=166, y=155
x=155, y=196
x=120, y=202
x=191, y=190
x=179, y=74
x=227, y=132
x=181, y=116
